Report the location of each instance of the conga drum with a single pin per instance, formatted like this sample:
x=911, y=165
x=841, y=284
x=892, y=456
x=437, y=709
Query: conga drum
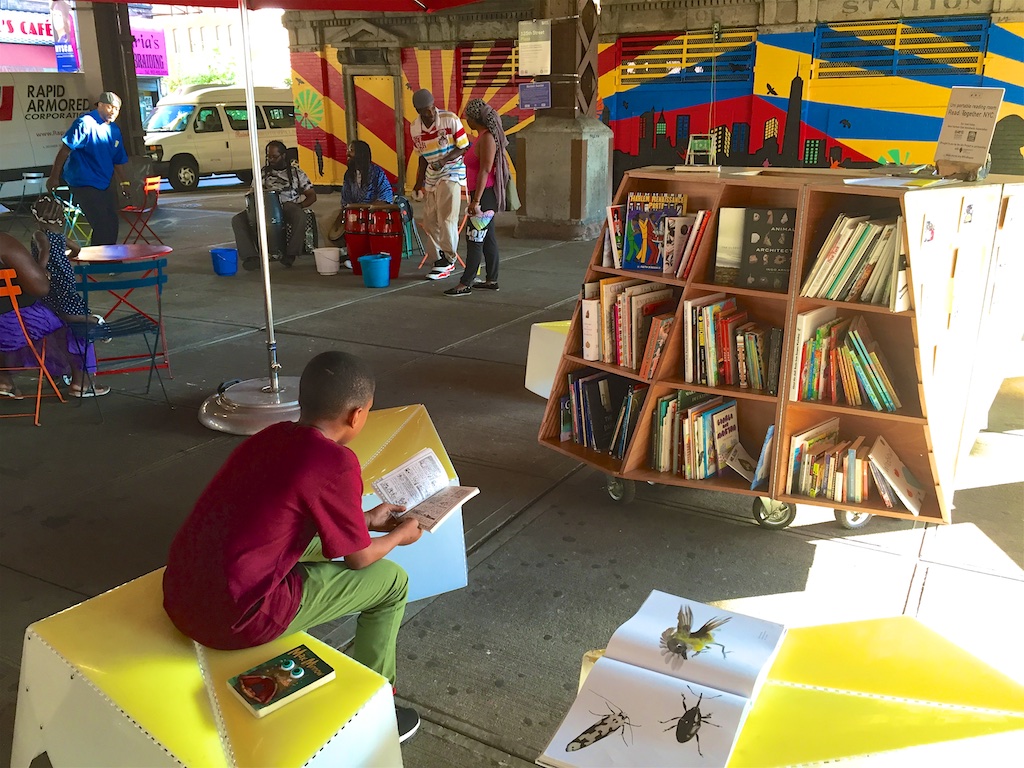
x=386, y=233
x=275, y=220
x=357, y=237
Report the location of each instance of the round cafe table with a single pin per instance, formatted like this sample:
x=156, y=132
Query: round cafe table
x=97, y=254
x=120, y=253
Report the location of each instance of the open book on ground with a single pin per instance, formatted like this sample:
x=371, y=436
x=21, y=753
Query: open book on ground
x=673, y=689
x=421, y=485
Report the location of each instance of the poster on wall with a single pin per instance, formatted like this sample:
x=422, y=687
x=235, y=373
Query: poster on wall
x=65, y=37
x=149, y=49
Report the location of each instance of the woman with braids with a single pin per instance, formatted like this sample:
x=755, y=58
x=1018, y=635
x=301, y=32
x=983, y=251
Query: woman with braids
x=487, y=174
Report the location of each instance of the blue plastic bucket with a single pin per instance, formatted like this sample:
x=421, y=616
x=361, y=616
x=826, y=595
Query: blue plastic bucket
x=225, y=261
x=376, y=270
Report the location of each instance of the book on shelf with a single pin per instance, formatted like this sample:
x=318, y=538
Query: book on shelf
x=278, y=681
x=616, y=215
x=831, y=253
x=700, y=225
x=643, y=238
x=906, y=487
x=590, y=311
x=725, y=425
x=766, y=252
x=629, y=414
x=726, y=332
x=564, y=419
x=803, y=329
x=609, y=290
x=421, y=485
x=677, y=233
x=729, y=245
x=659, y=299
x=764, y=461
x=675, y=663
x=708, y=357
x=691, y=341
x=607, y=258
x=804, y=446
x=741, y=462
x=658, y=334
x=885, y=491
x=774, y=359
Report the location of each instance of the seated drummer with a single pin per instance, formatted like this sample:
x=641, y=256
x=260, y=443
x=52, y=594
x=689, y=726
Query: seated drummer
x=365, y=182
x=295, y=191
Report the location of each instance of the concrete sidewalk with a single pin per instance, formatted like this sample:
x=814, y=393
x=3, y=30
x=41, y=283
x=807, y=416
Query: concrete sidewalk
x=556, y=566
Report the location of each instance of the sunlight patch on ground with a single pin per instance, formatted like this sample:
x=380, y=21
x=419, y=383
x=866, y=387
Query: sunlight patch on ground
x=997, y=458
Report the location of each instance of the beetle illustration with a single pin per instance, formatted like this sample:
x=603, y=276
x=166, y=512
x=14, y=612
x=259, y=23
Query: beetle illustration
x=680, y=640
x=688, y=725
x=606, y=726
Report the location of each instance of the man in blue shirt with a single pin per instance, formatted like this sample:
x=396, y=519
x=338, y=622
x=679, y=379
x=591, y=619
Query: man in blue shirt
x=92, y=153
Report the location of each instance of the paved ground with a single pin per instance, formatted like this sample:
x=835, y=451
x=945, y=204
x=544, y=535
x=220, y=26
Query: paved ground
x=555, y=565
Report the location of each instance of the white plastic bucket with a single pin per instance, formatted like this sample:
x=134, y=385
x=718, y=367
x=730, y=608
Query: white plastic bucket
x=327, y=260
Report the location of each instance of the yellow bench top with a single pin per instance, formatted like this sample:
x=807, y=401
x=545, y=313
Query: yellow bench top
x=124, y=644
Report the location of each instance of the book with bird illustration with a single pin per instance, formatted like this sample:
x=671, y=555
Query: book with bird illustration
x=277, y=681
x=673, y=688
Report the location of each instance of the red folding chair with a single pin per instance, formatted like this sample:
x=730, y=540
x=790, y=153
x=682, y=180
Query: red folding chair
x=138, y=216
x=9, y=290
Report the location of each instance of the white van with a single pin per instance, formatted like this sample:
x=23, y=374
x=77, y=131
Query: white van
x=200, y=130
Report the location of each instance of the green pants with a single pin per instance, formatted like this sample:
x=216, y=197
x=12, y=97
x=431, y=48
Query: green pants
x=377, y=593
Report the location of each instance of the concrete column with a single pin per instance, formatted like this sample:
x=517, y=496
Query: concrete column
x=564, y=157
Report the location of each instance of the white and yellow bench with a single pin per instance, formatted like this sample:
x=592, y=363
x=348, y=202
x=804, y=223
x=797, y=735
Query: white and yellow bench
x=110, y=682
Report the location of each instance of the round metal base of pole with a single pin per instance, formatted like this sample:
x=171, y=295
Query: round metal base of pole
x=246, y=407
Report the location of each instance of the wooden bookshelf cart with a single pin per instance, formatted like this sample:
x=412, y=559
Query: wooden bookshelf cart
x=932, y=348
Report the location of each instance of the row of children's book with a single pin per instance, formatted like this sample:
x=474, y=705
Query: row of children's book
x=601, y=410
x=724, y=346
x=696, y=435
x=626, y=322
x=862, y=260
x=650, y=233
x=823, y=464
x=839, y=362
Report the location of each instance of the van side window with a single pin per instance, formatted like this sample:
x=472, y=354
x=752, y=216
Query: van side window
x=281, y=116
x=208, y=121
x=238, y=118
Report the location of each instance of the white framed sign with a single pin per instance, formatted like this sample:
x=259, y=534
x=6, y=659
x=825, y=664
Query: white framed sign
x=534, y=48
x=967, y=128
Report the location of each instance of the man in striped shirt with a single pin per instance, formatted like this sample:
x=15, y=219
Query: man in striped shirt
x=441, y=142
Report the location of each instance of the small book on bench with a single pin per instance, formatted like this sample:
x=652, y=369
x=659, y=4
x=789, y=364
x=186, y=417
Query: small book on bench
x=280, y=680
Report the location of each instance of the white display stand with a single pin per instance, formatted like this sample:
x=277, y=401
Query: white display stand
x=546, y=343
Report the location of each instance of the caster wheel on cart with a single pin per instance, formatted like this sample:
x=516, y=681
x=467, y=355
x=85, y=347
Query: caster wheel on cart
x=773, y=514
x=621, y=490
x=851, y=520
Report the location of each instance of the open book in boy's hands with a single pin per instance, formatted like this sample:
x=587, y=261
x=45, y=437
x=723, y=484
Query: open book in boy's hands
x=672, y=689
x=421, y=485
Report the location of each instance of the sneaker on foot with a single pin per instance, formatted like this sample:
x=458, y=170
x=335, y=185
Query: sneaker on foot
x=347, y=264
x=488, y=285
x=440, y=273
x=408, y=722
x=459, y=290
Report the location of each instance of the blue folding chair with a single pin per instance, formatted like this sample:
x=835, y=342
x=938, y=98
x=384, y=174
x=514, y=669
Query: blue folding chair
x=118, y=277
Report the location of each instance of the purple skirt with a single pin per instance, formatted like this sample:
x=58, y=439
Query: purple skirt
x=63, y=350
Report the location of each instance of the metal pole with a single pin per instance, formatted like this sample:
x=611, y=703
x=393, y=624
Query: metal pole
x=261, y=208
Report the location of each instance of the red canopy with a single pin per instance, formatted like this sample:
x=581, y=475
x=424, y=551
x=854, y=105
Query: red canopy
x=369, y=6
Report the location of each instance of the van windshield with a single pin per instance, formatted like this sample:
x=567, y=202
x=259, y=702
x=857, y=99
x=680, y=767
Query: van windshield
x=170, y=118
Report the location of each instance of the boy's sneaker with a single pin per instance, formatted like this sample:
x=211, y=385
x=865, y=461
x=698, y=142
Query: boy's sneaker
x=408, y=722
x=442, y=268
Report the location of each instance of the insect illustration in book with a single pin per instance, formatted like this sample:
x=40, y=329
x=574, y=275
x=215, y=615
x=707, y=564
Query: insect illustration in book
x=682, y=641
x=615, y=720
x=689, y=724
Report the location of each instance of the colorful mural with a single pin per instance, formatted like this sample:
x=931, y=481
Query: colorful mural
x=852, y=94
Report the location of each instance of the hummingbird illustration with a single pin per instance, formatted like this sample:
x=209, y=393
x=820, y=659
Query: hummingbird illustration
x=681, y=640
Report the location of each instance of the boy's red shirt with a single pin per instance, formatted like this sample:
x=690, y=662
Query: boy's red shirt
x=231, y=580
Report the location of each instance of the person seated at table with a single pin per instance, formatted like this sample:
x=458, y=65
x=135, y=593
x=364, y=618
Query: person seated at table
x=63, y=298
x=40, y=322
x=296, y=192
x=365, y=182
x=249, y=564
